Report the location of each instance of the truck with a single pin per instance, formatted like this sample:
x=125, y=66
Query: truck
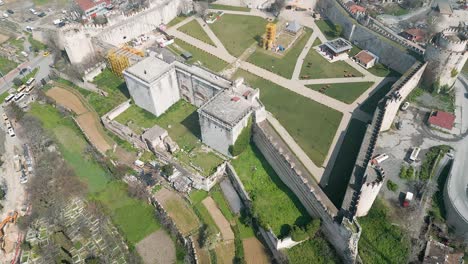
x=408, y=199
x=379, y=159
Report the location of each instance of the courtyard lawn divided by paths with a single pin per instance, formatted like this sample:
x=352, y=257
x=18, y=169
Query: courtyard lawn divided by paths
x=6, y=65
x=206, y=59
x=238, y=32
x=264, y=186
x=311, y=124
x=281, y=65
x=345, y=92
x=181, y=122
x=317, y=67
x=229, y=7
x=194, y=29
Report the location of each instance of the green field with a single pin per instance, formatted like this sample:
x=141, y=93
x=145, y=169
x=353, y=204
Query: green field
x=311, y=124
x=238, y=32
x=6, y=65
x=395, y=9
x=316, y=250
x=281, y=65
x=176, y=21
x=199, y=56
x=134, y=218
x=72, y=145
x=36, y=45
x=182, y=119
x=228, y=7
x=383, y=71
x=345, y=92
x=327, y=28
x=264, y=186
x=370, y=104
x=112, y=84
x=315, y=66
x=381, y=241
x=3, y=96
x=194, y=29
x=223, y=205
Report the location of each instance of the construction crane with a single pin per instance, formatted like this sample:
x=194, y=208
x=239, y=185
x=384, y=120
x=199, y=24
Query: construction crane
x=11, y=218
x=122, y=58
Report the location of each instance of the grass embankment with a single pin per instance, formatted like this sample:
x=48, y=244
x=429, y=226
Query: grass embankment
x=6, y=65
x=181, y=122
x=316, y=67
x=199, y=56
x=381, y=241
x=327, y=27
x=176, y=20
x=345, y=92
x=3, y=96
x=134, y=218
x=281, y=65
x=311, y=124
x=194, y=29
x=316, y=250
x=229, y=7
x=238, y=32
x=264, y=186
x=36, y=45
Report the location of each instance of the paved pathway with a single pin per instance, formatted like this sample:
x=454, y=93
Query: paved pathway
x=300, y=59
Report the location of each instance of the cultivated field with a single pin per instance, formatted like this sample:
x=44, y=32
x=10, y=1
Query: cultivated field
x=255, y=252
x=157, y=248
x=178, y=210
x=225, y=252
x=218, y=217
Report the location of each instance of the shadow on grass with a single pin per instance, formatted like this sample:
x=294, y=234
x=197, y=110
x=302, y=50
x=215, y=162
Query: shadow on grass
x=302, y=220
x=123, y=89
x=192, y=124
x=370, y=104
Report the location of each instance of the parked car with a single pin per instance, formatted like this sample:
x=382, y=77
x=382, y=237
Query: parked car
x=23, y=71
x=10, y=11
x=29, y=28
x=11, y=132
x=42, y=14
x=405, y=106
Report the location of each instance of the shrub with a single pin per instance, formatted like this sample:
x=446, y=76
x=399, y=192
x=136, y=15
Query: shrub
x=167, y=169
x=403, y=172
x=243, y=140
x=2, y=194
x=313, y=227
x=17, y=81
x=298, y=234
x=454, y=73
x=392, y=186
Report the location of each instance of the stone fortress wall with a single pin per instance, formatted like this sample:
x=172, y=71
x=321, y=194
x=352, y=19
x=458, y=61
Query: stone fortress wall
x=446, y=53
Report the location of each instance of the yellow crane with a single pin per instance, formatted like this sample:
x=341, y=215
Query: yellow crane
x=122, y=58
x=270, y=36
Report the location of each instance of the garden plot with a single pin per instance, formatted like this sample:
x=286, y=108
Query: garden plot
x=157, y=248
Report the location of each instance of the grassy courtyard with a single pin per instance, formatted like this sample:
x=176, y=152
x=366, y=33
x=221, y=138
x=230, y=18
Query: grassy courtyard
x=6, y=65
x=264, y=186
x=199, y=56
x=181, y=122
x=316, y=67
x=238, y=32
x=311, y=124
x=281, y=65
x=327, y=27
x=194, y=29
x=345, y=92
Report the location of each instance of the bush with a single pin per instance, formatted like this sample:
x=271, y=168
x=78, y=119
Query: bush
x=298, y=234
x=392, y=186
x=167, y=169
x=406, y=173
x=2, y=194
x=243, y=140
x=17, y=81
x=313, y=227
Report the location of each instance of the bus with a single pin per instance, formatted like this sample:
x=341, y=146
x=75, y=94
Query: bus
x=9, y=98
x=414, y=154
x=21, y=88
x=380, y=158
x=30, y=88
x=30, y=81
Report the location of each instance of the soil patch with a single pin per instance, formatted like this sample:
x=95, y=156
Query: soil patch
x=3, y=38
x=92, y=129
x=254, y=251
x=225, y=252
x=157, y=248
x=218, y=217
x=67, y=99
x=202, y=255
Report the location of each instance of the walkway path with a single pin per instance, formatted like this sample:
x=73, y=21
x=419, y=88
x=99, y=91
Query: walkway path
x=300, y=59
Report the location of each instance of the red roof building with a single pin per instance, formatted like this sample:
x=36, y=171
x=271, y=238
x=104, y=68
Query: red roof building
x=355, y=9
x=93, y=8
x=441, y=119
x=414, y=34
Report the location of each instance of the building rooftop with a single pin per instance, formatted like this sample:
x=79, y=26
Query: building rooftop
x=149, y=69
x=417, y=33
x=228, y=107
x=154, y=133
x=442, y=119
x=438, y=253
x=293, y=27
x=339, y=45
x=444, y=8
x=87, y=4
x=354, y=8
x=364, y=56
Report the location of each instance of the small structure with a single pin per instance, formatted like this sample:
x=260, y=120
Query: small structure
x=438, y=253
x=356, y=9
x=186, y=55
x=414, y=34
x=441, y=120
x=293, y=28
x=92, y=8
x=335, y=50
x=444, y=8
x=366, y=59
x=154, y=137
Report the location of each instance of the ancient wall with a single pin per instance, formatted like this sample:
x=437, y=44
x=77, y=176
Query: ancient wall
x=343, y=236
x=94, y=71
x=390, y=54
x=77, y=44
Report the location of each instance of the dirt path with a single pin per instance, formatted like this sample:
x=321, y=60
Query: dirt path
x=254, y=251
x=218, y=217
x=157, y=248
x=85, y=118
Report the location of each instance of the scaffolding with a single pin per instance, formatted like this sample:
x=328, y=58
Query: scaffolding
x=270, y=36
x=122, y=58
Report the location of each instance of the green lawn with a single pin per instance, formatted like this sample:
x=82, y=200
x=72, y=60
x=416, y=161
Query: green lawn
x=3, y=96
x=345, y=92
x=316, y=250
x=200, y=56
x=113, y=85
x=381, y=241
x=327, y=28
x=465, y=68
x=36, y=45
x=311, y=124
x=229, y=7
x=281, y=65
x=72, y=146
x=194, y=29
x=238, y=32
x=176, y=21
x=315, y=66
x=134, y=218
x=370, y=104
x=182, y=119
x=264, y=186
x=221, y=202
x=383, y=71
x=395, y=10
x=6, y=65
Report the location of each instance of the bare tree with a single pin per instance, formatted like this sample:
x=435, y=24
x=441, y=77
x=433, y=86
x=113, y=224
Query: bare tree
x=277, y=6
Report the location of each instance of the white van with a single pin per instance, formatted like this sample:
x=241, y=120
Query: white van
x=380, y=158
x=24, y=53
x=11, y=132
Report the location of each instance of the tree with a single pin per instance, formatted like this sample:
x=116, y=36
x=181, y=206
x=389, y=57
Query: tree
x=277, y=6
x=14, y=111
x=313, y=227
x=298, y=234
x=392, y=186
x=167, y=169
x=403, y=173
x=17, y=81
x=337, y=30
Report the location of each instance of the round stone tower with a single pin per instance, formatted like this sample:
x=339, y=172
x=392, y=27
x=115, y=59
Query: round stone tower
x=446, y=53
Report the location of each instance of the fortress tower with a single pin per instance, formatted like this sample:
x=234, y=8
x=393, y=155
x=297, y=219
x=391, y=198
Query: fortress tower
x=446, y=53
x=76, y=43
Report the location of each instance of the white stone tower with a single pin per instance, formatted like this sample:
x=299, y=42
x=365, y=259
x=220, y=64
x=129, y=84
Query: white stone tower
x=446, y=53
